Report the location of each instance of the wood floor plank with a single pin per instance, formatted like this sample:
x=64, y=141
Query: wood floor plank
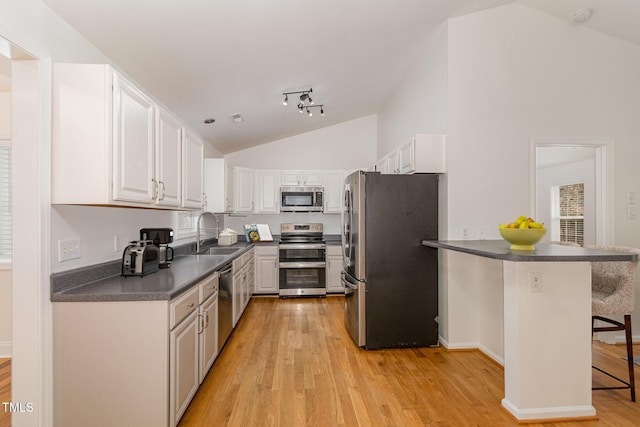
x=291, y=363
x=5, y=391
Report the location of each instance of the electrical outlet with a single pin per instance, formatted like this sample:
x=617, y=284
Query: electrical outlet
x=68, y=250
x=465, y=231
x=535, y=282
x=482, y=232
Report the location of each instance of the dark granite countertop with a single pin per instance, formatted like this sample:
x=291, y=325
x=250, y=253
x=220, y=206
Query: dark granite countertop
x=500, y=249
x=165, y=284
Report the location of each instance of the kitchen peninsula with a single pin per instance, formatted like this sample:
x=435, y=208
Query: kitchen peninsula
x=529, y=310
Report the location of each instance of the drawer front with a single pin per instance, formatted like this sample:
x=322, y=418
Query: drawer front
x=182, y=306
x=208, y=286
x=237, y=264
x=269, y=250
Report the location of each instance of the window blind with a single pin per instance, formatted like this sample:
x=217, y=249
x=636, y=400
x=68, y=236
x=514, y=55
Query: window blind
x=5, y=199
x=572, y=213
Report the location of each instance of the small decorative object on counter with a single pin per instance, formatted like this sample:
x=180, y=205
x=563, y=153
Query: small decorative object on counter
x=523, y=233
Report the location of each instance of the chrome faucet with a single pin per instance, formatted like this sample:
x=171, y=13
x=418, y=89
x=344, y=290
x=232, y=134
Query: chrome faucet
x=198, y=240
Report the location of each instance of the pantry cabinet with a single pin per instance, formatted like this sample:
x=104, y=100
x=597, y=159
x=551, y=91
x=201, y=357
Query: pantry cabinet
x=112, y=145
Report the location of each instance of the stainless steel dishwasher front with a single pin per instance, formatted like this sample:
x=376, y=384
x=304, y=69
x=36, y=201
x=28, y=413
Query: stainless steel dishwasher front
x=225, y=305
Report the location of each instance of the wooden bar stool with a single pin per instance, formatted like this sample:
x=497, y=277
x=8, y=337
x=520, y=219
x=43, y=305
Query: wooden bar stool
x=612, y=293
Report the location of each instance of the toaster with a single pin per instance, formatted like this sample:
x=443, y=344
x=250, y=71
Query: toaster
x=140, y=258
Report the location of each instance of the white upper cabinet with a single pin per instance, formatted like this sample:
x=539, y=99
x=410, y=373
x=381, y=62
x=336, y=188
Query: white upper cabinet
x=267, y=191
x=192, y=172
x=425, y=153
x=215, y=178
x=333, y=183
x=133, y=143
x=294, y=178
x=243, y=190
x=112, y=145
x=168, y=160
x=392, y=163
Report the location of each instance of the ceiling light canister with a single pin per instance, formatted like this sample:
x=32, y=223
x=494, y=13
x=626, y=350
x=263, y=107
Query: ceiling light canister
x=581, y=16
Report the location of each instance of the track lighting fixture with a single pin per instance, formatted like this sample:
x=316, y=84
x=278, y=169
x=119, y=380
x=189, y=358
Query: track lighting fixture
x=309, y=112
x=305, y=101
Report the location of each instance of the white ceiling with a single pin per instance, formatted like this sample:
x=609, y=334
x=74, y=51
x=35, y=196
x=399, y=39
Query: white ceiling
x=204, y=58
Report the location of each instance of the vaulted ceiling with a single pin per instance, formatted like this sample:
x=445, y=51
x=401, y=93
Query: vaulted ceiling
x=212, y=59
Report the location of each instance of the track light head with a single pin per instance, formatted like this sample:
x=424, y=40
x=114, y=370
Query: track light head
x=285, y=100
x=321, y=111
x=310, y=100
x=309, y=112
x=300, y=108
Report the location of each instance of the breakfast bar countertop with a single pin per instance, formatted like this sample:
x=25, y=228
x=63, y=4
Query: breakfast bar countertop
x=500, y=249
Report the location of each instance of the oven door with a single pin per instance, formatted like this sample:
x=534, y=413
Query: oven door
x=302, y=279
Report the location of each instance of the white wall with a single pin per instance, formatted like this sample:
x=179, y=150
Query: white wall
x=97, y=228
x=515, y=73
x=5, y=313
x=419, y=103
x=350, y=145
x=568, y=173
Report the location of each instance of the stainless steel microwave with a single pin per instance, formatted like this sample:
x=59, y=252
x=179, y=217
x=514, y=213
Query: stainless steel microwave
x=301, y=199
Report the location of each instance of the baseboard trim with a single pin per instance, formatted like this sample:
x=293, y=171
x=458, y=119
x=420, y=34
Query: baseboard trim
x=5, y=349
x=555, y=414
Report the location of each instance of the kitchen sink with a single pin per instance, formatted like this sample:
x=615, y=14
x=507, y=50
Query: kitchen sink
x=221, y=251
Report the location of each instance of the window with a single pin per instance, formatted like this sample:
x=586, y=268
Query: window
x=5, y=200
x=571, y=213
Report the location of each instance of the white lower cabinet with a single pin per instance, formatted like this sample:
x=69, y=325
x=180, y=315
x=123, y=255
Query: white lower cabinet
x=334, y=268
x=184, y=369
x=266, y=270
x=242, y=283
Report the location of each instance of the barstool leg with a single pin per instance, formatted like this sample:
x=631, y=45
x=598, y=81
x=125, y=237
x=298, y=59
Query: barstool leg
x=629, y=339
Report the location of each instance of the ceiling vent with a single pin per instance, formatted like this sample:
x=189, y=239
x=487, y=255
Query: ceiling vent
x=237, y=118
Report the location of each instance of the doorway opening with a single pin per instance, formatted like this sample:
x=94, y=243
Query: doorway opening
x=561, y=163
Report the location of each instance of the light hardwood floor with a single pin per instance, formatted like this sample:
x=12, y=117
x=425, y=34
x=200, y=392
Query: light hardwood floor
x=291, y=363
x=5, y=391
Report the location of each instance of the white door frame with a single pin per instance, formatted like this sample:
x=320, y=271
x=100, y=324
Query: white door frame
x=31, y=365
x=603, y=179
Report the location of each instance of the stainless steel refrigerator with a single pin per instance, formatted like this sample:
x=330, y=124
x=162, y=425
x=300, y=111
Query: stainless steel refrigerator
x=390, y=279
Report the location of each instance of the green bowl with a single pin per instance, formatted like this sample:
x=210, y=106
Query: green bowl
x=523, y=239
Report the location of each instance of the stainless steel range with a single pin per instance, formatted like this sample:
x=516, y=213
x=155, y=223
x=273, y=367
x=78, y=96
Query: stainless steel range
x=302, y=261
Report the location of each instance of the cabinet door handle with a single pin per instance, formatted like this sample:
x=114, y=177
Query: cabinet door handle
x=200, y=323
x=154, y=196
x=162, y=190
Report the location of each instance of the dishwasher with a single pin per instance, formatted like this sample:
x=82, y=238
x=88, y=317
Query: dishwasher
x=225, y=305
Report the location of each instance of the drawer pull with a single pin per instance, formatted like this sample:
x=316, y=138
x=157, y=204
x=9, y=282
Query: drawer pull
x=190, y=305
